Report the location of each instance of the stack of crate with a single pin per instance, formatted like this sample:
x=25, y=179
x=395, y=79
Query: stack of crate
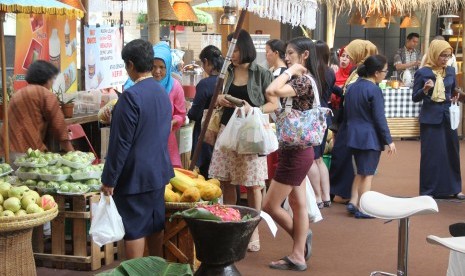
x=70, y=245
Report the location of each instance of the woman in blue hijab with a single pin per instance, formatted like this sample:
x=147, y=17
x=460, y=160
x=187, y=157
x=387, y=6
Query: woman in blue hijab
x=162, y=74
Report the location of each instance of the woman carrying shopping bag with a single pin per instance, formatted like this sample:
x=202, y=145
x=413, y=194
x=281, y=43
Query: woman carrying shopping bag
x=297, y=82
x=138, y=165
x=247, y=81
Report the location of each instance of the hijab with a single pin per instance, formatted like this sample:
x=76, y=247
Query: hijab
x=162, y=51
x=358, y=50
x=342, y=74
x=436, y=47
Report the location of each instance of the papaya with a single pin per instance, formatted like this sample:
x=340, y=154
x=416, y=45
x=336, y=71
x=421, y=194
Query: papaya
x=181, y=182
x=210, y=192
x=191, y=174
x=169, y=186
x=191, y=194
x=171, y=196
x=215, y=181
x=200, y=183
x=201, y=177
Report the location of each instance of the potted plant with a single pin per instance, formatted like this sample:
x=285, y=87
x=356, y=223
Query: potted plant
x=66, y=106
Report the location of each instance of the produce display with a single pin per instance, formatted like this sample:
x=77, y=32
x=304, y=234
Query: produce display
x=71, y=173
x=21, y=201
x=5, y=169
x=189, y=186
x=213, y=212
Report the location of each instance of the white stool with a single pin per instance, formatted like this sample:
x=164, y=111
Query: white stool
x=386, y=207
x=457, y=253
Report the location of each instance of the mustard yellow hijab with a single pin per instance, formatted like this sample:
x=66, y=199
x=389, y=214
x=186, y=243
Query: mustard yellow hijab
x=358, y=50
x=436, y=47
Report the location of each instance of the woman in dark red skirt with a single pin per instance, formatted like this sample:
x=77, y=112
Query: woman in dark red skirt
x=299, y=82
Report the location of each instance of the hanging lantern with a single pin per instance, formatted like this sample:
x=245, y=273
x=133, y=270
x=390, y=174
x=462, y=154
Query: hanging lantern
x=229, y=17
x=376, y=20
x=410, y=21
x=448, y=23
x=356, y=18
x=184, y=12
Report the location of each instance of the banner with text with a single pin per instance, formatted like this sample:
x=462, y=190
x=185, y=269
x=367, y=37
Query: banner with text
x=104, y=65
x=46, y=37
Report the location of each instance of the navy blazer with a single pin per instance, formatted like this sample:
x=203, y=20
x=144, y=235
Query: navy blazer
x=138, y=159
x=433, y=112
x=367, y=127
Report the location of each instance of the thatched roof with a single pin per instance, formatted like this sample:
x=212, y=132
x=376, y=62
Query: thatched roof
x=401, y=6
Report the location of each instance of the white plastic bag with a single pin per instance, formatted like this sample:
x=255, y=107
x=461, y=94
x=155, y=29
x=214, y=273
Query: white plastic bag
x=228, y=138
x=314, y=214
x=106, y=224
x=454, y=110
x=252, y=135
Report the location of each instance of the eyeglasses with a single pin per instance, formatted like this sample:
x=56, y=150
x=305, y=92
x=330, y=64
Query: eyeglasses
x=445, y=56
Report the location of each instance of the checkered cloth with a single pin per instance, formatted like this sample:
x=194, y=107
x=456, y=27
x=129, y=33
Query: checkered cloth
x=398, y=103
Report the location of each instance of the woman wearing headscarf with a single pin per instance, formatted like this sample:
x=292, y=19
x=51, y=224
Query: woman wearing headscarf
x=440, y=160
x=342, y=74
x=162, y=74
x=341, y=172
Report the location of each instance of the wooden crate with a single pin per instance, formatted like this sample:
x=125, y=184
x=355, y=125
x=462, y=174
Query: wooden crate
x=73, y=250
x=178, y=245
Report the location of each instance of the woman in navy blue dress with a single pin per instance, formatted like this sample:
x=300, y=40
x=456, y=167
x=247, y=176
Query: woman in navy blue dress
x=440, y=160
x=138, y=165
x=212, y=61
x=367, y=129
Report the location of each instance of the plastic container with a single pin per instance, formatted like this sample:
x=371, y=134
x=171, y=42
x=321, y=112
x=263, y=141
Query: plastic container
x=191, y=75
x=53, y=177
x=75, y=165
x=86, y=175
x=26, y=175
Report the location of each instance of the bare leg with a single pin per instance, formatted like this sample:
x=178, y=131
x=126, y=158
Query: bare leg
x=229, y=193
x=354, y=194
x=275, y=196
x=364, y=185
x=155, y=244
x=314, y=176
x=324, y=179
x=134, y=248
x=254, y=200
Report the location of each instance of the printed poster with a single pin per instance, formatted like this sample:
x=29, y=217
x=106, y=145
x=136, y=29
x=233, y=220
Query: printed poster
x=46, y=37
x=104, y=65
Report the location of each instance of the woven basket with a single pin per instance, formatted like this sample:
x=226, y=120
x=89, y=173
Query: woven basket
x=16, y=256
x=9, y=224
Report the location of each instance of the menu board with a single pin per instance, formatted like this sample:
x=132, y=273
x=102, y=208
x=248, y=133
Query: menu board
x=104, y=65
x=46, y=37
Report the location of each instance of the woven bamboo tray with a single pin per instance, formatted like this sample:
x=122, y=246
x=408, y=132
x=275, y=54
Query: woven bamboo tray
x=9, y=224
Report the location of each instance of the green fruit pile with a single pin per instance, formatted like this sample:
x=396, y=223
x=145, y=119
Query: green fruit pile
x=21, y=201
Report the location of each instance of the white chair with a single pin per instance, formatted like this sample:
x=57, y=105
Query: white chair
x=457, y=253
x=387, y=207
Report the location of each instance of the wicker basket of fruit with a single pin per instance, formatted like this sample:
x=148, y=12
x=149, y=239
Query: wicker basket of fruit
x=22, y=209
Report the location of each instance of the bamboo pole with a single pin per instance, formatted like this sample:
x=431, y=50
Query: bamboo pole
x=331, y=25
x=153, y=21
x=218, y=87
x=427, y=30
x=6, y=140
x=84, y=22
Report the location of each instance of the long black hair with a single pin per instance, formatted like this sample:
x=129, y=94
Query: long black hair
x=214, y=57
x=322, y=57
x=302, y=44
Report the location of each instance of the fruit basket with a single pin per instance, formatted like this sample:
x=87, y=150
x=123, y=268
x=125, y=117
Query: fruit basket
x=16, y=256
x=8, y=224
x=183, y=205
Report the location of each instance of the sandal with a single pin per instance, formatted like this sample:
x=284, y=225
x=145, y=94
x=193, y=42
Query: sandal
x=254, y=246
x=289, y=265
x=327, y=204
x=459, y=196
x=320, y=205
x=308, y=245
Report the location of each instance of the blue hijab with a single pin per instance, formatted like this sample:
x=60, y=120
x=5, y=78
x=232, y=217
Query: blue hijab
x=162, y=51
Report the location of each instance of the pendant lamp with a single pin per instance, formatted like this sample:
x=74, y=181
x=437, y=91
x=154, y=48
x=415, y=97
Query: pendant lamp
x=410, y=21
x=166, y=12
x=184, y=12
x=376, y=20
x=356, y=18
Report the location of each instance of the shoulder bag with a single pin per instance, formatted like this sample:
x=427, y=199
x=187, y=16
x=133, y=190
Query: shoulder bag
x=296, y=128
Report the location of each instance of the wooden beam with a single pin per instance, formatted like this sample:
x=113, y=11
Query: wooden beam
x=6, y=139
x=153, y=21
